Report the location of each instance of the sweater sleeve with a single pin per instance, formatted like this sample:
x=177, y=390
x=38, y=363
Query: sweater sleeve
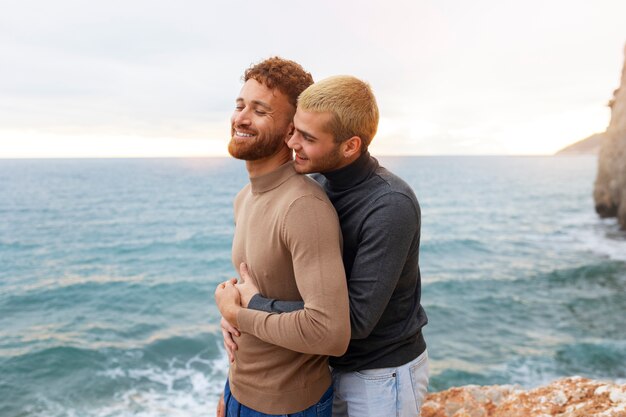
x=311, y=233
x=386, y=236
x=270, y=305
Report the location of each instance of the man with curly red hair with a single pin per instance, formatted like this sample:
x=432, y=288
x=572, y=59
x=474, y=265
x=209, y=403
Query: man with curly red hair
x=287, y=230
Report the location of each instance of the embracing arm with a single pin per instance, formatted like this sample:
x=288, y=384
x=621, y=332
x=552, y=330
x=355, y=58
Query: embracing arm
x=311, y=233
x=388, y=232
x=258, y=302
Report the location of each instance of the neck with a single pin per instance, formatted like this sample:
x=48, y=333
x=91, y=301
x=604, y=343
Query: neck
x=351, y=175
x=271, y=163
x=347, y=161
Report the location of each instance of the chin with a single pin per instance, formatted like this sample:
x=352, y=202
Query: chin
x=300, y=169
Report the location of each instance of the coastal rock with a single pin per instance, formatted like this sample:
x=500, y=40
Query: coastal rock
x=589, y=146
x=610, y=187
x=569, y=397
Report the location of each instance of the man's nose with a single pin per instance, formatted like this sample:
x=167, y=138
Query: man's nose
x=293, y=141
x=241, y=118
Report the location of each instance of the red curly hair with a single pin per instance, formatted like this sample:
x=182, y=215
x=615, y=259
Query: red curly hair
x=286, y=76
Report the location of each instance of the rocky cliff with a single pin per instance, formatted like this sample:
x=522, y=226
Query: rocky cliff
x=588, y=146
x=610, y=187
x=570, y=397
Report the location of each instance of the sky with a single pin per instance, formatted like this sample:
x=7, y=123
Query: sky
x=154, y=78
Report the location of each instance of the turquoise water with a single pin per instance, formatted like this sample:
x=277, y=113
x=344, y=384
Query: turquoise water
x=107, y=270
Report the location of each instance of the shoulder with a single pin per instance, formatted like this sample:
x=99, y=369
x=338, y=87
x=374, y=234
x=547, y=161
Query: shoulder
x=241, y=195
x=303, y=198
x=309, y=216
x=244, y=191
x=299, y=186
x=394, y=182
x=311, y=205
x=393, y=192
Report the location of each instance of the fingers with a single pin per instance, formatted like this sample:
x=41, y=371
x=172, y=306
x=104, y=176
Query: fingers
x=229, y=327
x=228, y=330
x=223, y=285
x=229, y=343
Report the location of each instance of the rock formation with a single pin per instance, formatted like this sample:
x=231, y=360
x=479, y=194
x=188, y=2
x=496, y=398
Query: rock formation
x=570, y=397
x=610, y=187
x=588, y=146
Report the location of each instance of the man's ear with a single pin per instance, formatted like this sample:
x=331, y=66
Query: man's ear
x=290, y=131
x=352, y=147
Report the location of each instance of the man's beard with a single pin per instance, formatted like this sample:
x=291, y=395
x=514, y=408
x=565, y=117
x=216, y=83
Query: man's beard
x=327, y=163
x=259, y=147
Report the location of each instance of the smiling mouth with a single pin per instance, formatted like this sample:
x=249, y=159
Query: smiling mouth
x=243, y=134
x=301, y=158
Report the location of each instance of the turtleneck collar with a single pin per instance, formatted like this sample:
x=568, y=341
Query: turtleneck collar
x=353, y=174
x=269, y=181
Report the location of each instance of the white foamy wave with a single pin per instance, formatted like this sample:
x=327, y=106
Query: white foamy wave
x=186, y=391
x=606, y=240
x=531, y=372
x=599, y=236
x=173, y=392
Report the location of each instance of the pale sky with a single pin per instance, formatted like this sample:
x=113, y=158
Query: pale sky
x=159, y=78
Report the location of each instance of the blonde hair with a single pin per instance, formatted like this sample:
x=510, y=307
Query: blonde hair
x=351, y=103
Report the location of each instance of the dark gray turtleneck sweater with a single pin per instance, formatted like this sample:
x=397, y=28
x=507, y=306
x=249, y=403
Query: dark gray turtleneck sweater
x=380, y=223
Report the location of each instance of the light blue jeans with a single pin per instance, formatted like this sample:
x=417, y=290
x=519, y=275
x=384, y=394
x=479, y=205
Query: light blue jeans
x=383, y=392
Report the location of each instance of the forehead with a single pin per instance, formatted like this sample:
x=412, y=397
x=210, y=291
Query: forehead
x=253, y=90
x=312, y=121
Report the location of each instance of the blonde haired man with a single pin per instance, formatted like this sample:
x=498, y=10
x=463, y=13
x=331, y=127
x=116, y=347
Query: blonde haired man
x=385, y=369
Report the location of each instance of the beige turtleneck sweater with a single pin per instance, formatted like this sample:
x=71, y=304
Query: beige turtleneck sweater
x=287, y=231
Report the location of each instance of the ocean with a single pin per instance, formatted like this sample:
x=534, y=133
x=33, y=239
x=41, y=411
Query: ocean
x=108, y=267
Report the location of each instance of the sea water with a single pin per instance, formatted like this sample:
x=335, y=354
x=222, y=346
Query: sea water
x=108, y=267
